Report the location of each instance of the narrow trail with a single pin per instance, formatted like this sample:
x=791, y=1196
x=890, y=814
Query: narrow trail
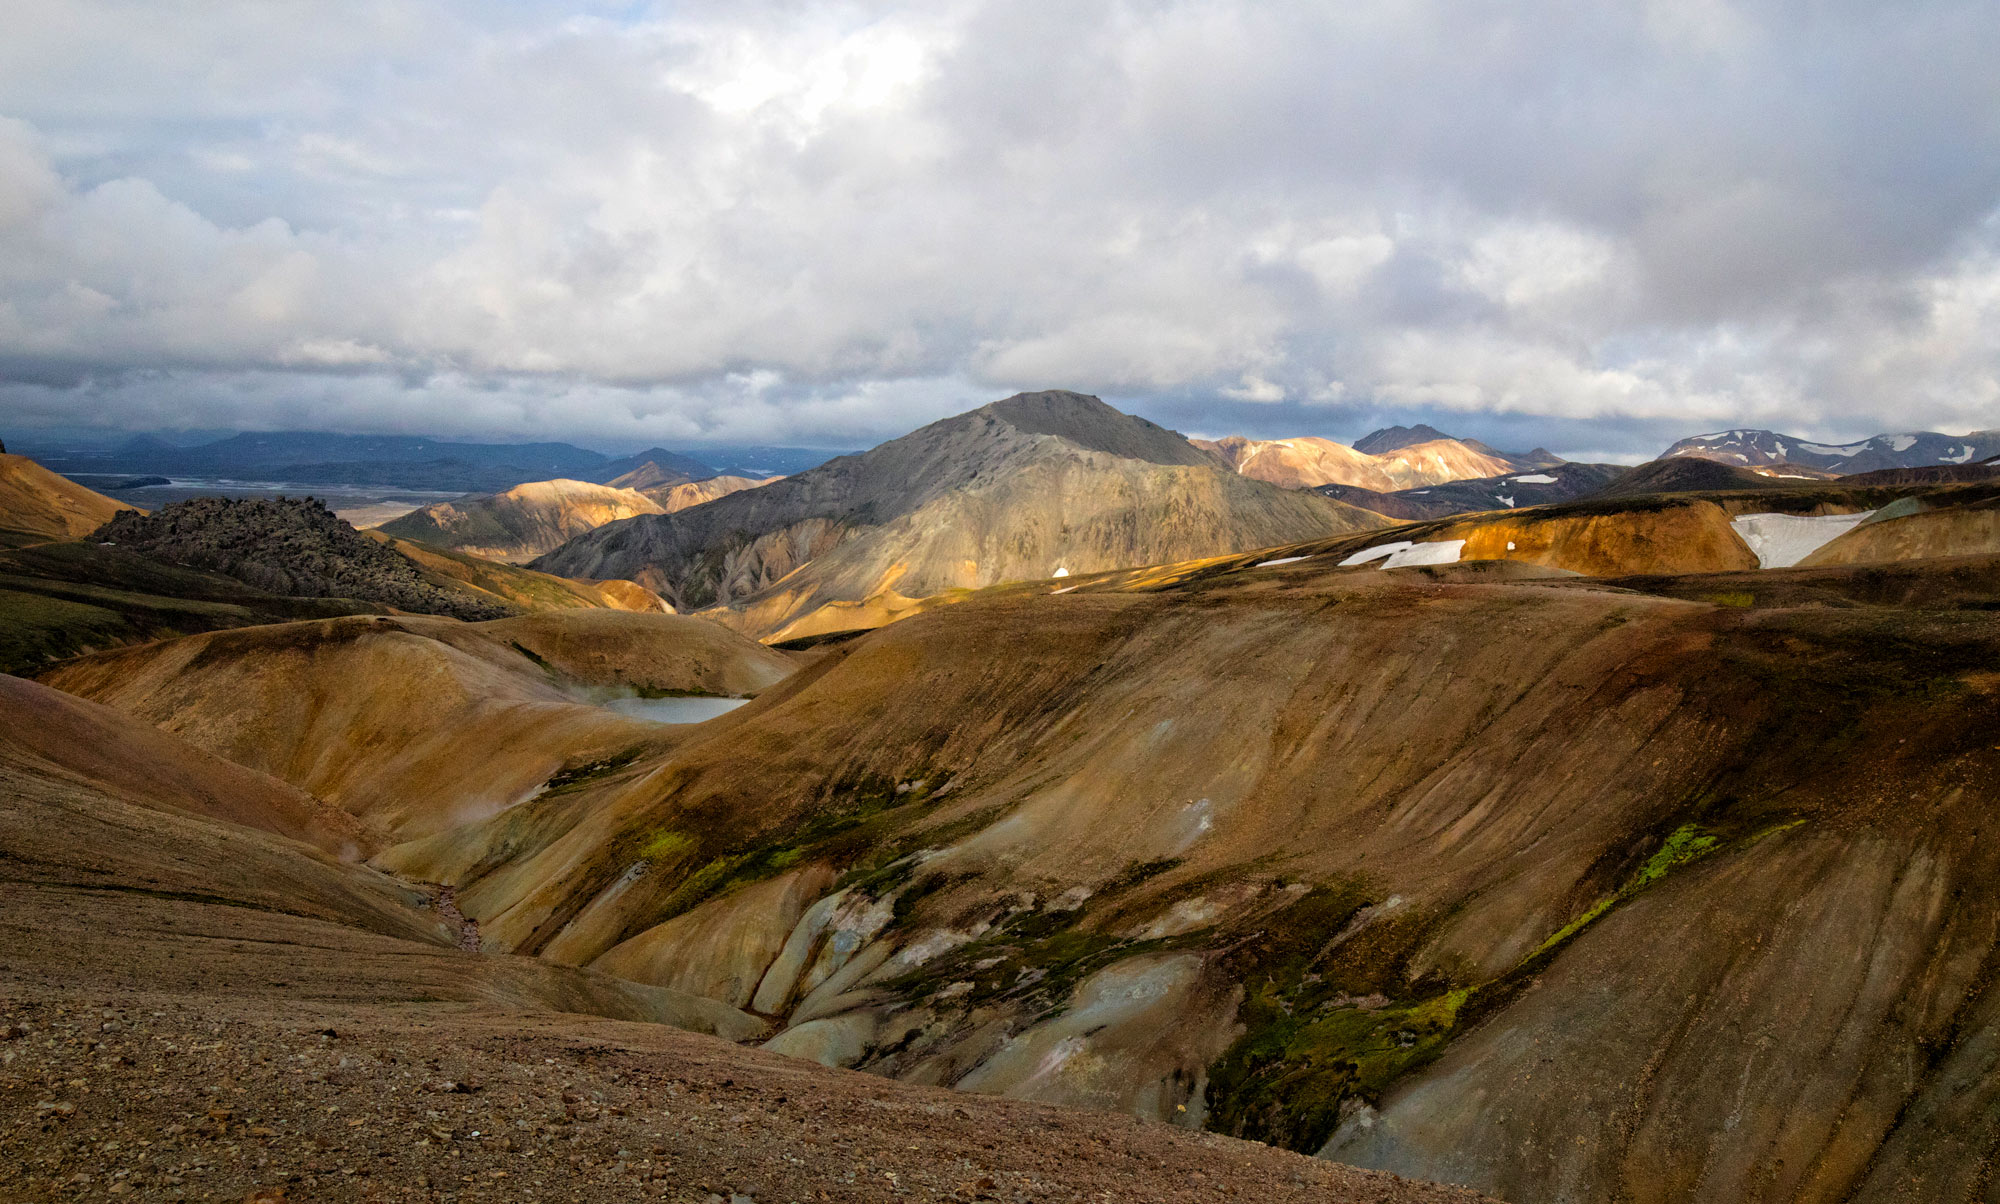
x=447, y=908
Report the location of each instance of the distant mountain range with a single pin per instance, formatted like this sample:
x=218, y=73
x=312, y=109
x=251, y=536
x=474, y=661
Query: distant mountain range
x=416, y=462
x=1750, y=448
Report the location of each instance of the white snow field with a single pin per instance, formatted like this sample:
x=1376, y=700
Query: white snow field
x=1403, y=553
x=1265, y=564
x=1782, y=540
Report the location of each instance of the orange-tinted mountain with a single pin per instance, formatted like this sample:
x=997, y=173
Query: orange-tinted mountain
x=688, y=494
x=1385, y=461
x=521, y=523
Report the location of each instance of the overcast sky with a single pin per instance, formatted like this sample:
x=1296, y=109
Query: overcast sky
x=1597, y=226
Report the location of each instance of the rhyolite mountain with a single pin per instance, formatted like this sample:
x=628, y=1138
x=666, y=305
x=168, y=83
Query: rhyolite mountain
x=1384, y=461
x=1751, y=448
x=519, y=524
x=1037, y=485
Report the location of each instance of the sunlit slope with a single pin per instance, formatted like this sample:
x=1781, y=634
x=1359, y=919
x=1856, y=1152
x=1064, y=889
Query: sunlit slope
x=37, y=505
x=1918, y=532
x=521, y=523
x=412, y=724
x=516, y=587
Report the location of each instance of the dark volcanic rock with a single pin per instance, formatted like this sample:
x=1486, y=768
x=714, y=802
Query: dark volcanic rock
x=290, y=546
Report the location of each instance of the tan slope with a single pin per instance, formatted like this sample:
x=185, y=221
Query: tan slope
x=131, y=861
x=1306, y=462
x=522, y=523
x=1966, y=530
x=1070, y=515
x=45, y=731
x=1430, y=787
x=1301, y=463
x=416, y=725
x=693, y=493
x=1438, y=461
x=38, y=505
x=525, y=588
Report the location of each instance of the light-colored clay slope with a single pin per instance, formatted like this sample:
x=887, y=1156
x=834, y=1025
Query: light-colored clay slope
x=417, y=725
x=38, y=505
x=1306, y=462
x=1301, y=463
x=45, y=731
x=1438, y=461
x=674, y=498
x=520, y=587
x=1966, y=530
x=522, y=523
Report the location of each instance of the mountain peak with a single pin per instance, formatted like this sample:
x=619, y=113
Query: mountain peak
x=1091, y=424
x=1390, y=438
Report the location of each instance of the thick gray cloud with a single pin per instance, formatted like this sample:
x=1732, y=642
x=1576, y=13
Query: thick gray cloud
x=1591, y=224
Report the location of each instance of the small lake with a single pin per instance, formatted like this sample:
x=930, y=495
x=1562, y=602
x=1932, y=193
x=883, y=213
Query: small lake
x=675, y=710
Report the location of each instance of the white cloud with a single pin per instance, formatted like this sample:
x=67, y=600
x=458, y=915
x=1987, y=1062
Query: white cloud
x=840, y=219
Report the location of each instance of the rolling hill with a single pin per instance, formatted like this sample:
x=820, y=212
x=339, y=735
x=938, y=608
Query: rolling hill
x=1426, y=869
x=37, y=505
x=521, y=523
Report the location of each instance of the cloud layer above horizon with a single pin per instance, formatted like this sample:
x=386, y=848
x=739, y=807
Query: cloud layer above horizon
x=827, y=223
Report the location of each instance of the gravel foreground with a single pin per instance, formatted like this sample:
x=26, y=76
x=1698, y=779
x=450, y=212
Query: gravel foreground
x=164, y=1098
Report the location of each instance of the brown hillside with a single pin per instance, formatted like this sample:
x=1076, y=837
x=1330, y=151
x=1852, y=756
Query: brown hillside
x=1425, y=868
x=1972, y=529
x=37, y=505
x=416, y=725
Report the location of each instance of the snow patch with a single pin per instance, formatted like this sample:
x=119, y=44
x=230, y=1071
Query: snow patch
x=1503, y=497
x=1821, y=449
x=1060, y=572
x=1782, y=540
x=1265, y=564
x=1964, y=454
x=1443, y=551
x=1901, y=442
x=1404, y=553
x=1376, y=553
x=1534, y=478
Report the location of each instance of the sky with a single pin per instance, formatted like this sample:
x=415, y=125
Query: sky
x=1594, y=226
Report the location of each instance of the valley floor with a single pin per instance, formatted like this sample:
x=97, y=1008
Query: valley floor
x=161, y=1047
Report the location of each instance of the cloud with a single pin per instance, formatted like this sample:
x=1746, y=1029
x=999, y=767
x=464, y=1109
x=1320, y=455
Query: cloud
x=828, y=222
